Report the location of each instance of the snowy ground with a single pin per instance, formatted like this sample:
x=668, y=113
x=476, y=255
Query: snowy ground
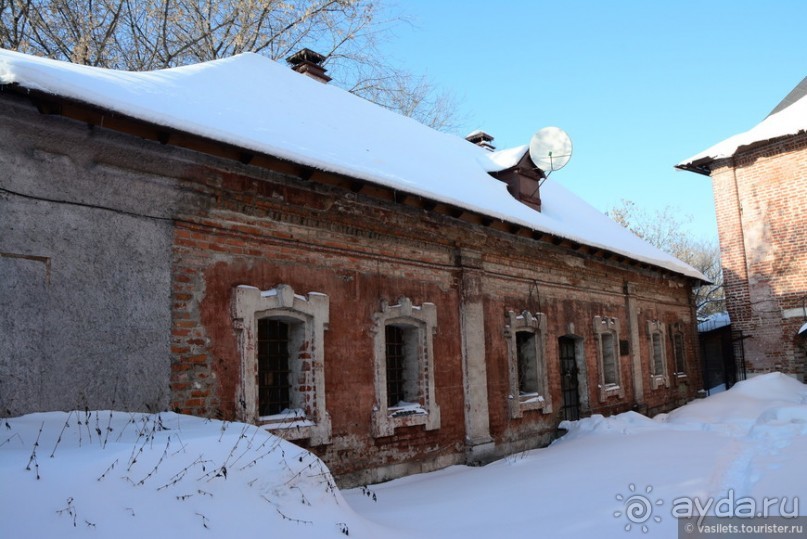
x=134, y=475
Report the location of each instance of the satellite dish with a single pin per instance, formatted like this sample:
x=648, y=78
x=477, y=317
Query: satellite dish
x=550, y=149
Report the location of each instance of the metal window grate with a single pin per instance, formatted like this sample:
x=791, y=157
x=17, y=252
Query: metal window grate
x=569, y=382
x=658, y=355
x=274, y=377
x=395, y=365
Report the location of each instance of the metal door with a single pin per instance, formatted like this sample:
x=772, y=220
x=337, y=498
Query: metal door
x=568, y=379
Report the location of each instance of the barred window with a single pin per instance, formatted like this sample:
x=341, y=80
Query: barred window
x=657, y=334
x=281, y=341
x=404, y=367
x=606, y=331
x=657, y=351
x=678, y=350
x=274, y=376
x=524, y=334
x=610, y=365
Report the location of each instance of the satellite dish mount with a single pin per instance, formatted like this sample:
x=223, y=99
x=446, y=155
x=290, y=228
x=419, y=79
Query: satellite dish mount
x=550, y=149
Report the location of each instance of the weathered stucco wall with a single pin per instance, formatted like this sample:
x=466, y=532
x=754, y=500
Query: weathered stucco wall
x=84, y=270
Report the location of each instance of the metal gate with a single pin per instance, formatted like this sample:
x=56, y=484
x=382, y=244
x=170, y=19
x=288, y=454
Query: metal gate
x=568, y=380
x=738, y=363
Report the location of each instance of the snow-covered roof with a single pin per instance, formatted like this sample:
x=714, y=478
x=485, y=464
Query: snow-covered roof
x=504, y=159
x=257, y=104
x=714, y=321
x=789, y=118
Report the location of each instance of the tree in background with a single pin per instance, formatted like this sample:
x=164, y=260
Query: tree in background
x=665, y=229
x=140, y=35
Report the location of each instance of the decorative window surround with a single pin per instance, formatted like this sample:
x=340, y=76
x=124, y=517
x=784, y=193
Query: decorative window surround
x=657, y=333
x=310, y=313
x=607, y=331
x=422, y=323
x=538, y=398
x=679, y=350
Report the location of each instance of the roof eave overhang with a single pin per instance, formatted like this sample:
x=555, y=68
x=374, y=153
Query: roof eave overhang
x=705, y=164
x=701, y=166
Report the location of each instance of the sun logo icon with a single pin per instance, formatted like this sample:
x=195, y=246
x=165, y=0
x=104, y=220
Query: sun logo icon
x=638, y=508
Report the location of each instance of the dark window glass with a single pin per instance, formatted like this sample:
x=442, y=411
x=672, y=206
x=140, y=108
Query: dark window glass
x=678, y=347
x=527, y=368
x=274, y=384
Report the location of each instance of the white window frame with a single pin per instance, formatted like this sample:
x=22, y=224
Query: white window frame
x=657, y=330
x=607, y=325
x=534, y=324
x=250, y=304
x=423, y=319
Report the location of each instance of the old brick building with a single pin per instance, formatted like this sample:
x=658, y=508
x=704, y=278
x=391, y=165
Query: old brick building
x=240, y=241
x=760, y=187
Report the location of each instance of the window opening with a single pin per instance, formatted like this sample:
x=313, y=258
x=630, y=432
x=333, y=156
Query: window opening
x=609, y=363
x=404, y=367
x=678, y=349
x=395, y=365
x=274, y=375
x=658, y=356
x=527, y=365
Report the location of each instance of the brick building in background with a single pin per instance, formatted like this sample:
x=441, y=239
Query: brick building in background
x=237, y=240
x=760, y=188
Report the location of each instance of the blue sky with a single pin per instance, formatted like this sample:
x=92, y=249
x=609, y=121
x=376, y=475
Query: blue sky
x=638, y=85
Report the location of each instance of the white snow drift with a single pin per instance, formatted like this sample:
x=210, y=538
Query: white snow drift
x=103, y=474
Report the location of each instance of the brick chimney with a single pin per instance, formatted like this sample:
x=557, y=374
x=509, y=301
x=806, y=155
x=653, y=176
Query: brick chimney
x=480, y=138
x=309, y=63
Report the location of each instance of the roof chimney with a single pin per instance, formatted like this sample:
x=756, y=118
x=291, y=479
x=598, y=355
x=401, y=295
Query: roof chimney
x=309, y=63
x=523, y=179
x=480, y=138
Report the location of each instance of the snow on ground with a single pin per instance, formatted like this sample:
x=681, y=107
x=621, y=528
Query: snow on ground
x=135, y=475
x=751, y=439
x=103, y=474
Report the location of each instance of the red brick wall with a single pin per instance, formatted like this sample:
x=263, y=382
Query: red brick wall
x=761, y=205
x=266, y=230
x=234, y=224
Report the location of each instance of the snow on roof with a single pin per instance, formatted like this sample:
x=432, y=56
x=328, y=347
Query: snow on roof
x=787, y=119
x=257, y=104
x=503, y=159
x=795, y=94
x=715, y=321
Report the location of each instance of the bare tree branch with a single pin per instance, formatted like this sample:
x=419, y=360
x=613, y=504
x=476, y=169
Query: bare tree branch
x=665, y=230
x=156, y=34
